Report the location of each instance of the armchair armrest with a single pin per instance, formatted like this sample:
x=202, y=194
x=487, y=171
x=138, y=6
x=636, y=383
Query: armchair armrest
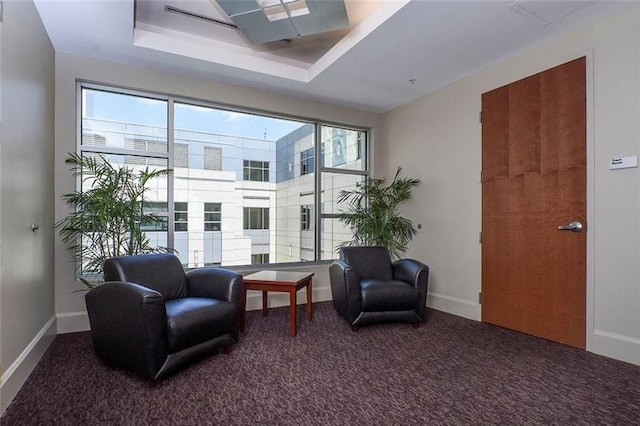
x=216, y=283
x=128, y=325
x=416, y=273
x=411, y=271
x=345, y=289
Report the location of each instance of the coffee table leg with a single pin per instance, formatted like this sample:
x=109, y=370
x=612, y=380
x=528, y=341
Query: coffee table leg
x=243, y=310
x=264, y=303
x=292, y=312
x=309, y=301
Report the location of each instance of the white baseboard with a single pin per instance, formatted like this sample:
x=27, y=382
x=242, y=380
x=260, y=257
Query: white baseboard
x=18, y=372
x=616, y=346
x=611, y=345
x=453, y=305
x=72, y=322
x=78, y=321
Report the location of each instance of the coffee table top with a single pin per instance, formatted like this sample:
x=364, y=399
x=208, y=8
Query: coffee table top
x=288, y=277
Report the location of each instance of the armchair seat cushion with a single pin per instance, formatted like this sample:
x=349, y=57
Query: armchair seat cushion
x=387, y=295
x=194, y=320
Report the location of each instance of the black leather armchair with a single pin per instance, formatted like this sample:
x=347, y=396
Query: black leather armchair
x=367, y=287
x=150, y=317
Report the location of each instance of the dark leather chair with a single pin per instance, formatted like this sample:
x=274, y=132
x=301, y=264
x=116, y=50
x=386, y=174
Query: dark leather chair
x=367, y=287
x=151, y=317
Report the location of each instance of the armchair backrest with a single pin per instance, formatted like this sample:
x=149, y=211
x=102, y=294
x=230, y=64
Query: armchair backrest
x=368, y=262
x=161, y=272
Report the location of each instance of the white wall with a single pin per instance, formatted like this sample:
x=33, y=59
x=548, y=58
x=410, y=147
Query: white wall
x=27, y=321
x=70, y=308
x=438, y=138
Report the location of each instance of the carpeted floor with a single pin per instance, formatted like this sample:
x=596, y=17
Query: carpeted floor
x=450, y=371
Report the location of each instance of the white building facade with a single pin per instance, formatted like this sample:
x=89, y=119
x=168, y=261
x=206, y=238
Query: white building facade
x=235, y=200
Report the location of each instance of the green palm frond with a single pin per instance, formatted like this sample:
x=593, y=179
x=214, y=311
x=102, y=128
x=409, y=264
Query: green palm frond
x=108, y=212
x=371, y=212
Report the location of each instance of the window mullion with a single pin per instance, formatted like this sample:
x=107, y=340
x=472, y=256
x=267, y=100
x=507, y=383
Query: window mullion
x=170, y=176
x=317, y=195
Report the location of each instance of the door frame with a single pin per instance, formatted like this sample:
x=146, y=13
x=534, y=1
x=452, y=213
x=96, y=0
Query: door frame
x=591, y=219
x=590, y=189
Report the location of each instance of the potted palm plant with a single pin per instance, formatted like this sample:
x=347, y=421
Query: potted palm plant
x=371, y=212
x=108, y=214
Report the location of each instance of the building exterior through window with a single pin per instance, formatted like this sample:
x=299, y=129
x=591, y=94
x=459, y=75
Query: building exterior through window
x=235, y=200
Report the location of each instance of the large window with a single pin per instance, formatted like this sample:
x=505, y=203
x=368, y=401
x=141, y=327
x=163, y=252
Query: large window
x=210, y=210
x=343, y=168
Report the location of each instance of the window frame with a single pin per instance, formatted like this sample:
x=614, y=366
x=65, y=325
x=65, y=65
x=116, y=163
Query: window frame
x=305, y=219
x=212, y=222
x=305, y=163
x=178, y=212
x=364, y=148
x=249, y=166
x=263, y=215
x=262, y=256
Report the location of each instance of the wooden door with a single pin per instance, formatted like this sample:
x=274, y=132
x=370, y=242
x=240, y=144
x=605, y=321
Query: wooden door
x=533, y=180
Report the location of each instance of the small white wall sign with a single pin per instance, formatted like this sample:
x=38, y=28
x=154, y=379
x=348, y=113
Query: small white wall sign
x=623, y=162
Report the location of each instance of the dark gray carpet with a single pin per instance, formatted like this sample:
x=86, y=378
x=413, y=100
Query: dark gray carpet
x=450, y=371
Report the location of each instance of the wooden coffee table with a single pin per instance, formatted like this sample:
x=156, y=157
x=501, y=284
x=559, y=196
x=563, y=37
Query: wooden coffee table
x=284, y=281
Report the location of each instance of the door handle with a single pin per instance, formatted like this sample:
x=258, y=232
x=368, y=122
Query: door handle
x=574, y=226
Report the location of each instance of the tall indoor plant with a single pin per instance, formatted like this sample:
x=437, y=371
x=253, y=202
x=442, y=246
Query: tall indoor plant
x=371, y=212
x=108, y=214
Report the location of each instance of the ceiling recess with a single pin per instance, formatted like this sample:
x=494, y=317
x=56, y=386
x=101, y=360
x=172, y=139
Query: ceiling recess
x=263, y=21
x=182, y=12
